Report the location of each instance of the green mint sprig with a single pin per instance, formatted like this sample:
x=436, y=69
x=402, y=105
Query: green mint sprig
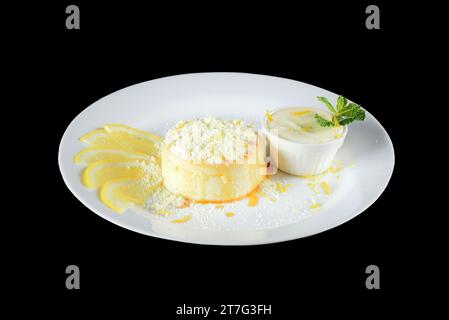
x=342, y=114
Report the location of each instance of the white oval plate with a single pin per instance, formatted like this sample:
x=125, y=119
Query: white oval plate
x=158, y=104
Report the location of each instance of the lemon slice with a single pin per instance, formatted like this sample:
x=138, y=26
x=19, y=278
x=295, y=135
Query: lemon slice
x=92, y=154
x=134, y=139
x=99, y=172
x=100, y=138
x=119, y=194
x=108, y=197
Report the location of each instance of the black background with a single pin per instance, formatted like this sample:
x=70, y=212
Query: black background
x=122, y=44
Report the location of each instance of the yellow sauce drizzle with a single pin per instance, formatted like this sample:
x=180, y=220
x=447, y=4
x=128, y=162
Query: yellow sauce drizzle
x=282, y=188
x=219, y=206
x=301, y=113
x=164, y=212
x=253, y=200
x=182, y=220
x=315, y=205
x=326, y=187
x=230, y=214
x=269, y=116
x=307, y=128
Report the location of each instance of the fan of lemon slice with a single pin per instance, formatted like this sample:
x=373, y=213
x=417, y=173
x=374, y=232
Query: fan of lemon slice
x=123, y=162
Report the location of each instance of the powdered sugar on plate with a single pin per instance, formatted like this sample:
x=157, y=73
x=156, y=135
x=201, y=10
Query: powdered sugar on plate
x=283, y=199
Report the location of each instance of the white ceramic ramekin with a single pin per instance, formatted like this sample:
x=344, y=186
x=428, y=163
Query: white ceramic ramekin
x=300, y=158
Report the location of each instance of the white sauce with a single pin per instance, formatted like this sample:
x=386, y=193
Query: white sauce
x=299, y=124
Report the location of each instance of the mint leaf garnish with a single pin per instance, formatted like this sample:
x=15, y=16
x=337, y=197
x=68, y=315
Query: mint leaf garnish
x=343, y=114
x=323, y=122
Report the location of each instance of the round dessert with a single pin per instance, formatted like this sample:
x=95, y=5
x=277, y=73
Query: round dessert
x=299, y=145
x=212, y=160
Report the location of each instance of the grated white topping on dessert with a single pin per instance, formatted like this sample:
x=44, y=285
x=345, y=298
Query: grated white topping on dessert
x=211, y=140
